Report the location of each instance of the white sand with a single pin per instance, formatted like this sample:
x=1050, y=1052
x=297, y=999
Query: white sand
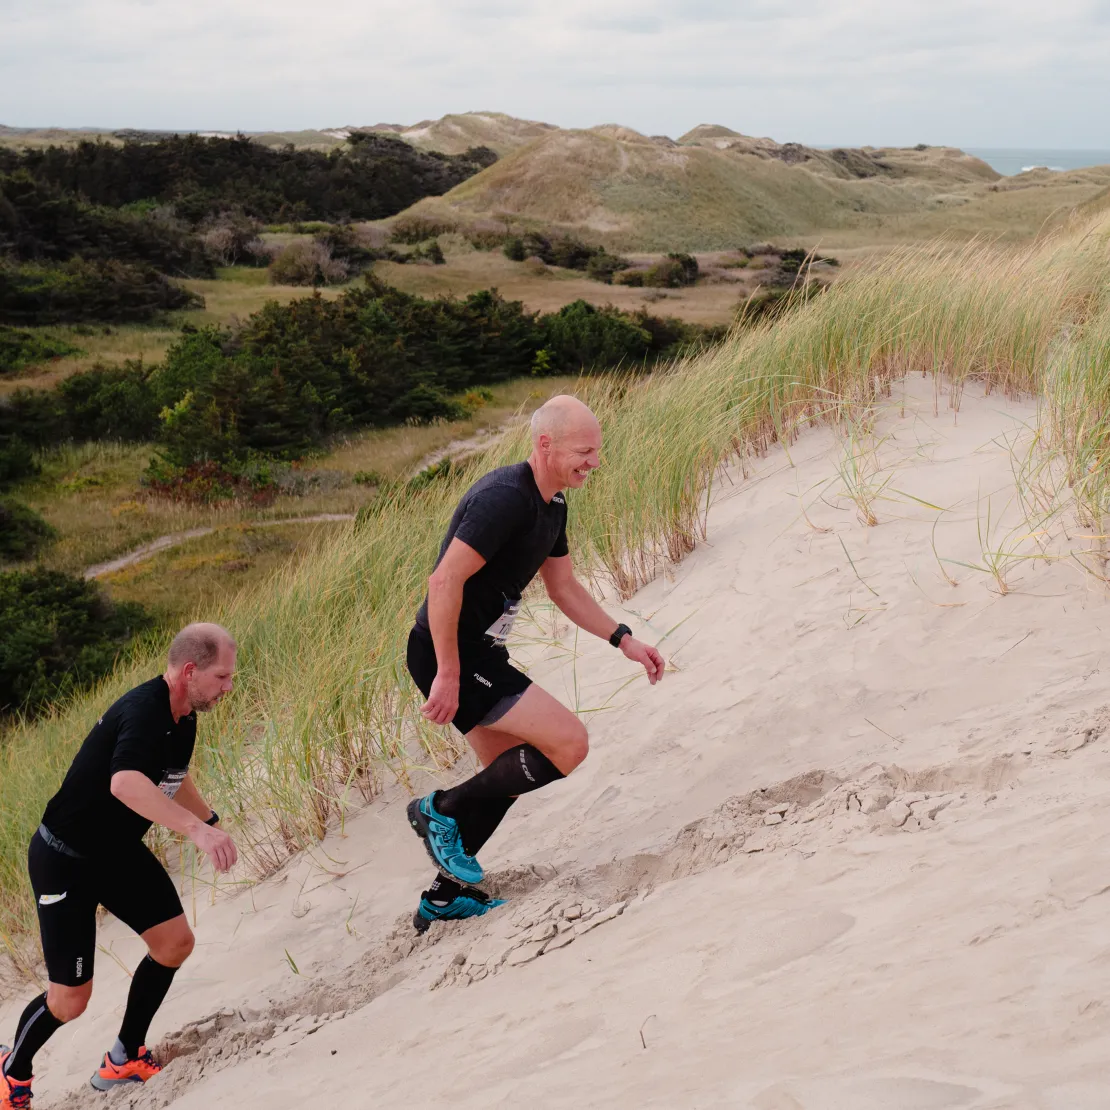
x=827, y=961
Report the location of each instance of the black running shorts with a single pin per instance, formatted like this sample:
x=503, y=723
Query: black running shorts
x=130, y=883
x=488, y=683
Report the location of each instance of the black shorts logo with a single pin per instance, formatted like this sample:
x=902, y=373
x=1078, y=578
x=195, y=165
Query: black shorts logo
x=484, y=681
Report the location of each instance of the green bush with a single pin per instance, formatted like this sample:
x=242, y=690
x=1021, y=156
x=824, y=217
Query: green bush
x=41, y=222
x=514, y=249
x=17, y=460
x=22, y=531
x=19, y=349
x=581, y=336
x=630, y=277
x=307, y=264
x=665, y=274
x=60, y=633
x=415, y=229
x=373, y=177
x=430, y=251
x=602, y=266
x=103, y=402
x=78, y=290
x=110, y=402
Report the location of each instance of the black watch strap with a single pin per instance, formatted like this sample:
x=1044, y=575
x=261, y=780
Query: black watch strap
x=622, y=631
x=213, y=819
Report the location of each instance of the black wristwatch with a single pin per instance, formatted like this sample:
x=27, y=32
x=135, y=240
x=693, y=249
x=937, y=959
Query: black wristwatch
x=213, y=819
x=622, y=631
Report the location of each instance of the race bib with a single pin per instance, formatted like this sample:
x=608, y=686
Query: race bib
x=500, y=629
x=172, y=780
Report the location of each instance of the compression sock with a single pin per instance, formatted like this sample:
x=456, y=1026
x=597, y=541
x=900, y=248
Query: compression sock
x=516, y=771
x=36, y=1026
x=149, y=988
x=477, y=826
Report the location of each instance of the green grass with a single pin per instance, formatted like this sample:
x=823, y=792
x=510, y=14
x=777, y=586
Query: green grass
x=323, y=714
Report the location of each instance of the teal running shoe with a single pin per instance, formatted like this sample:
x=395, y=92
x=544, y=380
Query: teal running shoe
x=443, y=840
x=470, y=903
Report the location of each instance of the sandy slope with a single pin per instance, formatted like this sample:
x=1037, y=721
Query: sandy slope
x=923, y=928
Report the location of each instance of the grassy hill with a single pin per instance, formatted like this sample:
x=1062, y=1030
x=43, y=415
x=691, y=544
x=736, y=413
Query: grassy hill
x=713, y=189
x=456, y=133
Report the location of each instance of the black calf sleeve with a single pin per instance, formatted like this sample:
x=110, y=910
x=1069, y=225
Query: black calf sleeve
x=149, y=987
x=36, y=1026
x=519, y=770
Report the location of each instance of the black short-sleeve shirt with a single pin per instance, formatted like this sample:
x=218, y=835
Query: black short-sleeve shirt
x=504, y=517
x=137, y=733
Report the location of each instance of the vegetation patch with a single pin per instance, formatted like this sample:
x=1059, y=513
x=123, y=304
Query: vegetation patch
x=61, y=634
x=20, y=349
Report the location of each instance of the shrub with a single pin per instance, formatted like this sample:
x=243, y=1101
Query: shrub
x=61, y=633
x=110, y=402
x=415, y=229
x=307, y=264
x=689, y=266
x=671, y=272
x=41, y=222
x=581, y=336
x=375, y=176
x=430, y=251
x=19, y=349
x=425, y=404
x=602, y=266
x=77, y=290
x=232, y=238
x=514, y=249
x=346, y=245
x=210, y=482
x=630, y=277
x=22, y=531
x=17, y=460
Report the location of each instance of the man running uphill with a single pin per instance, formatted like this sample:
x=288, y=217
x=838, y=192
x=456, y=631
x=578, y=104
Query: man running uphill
x=508, y=525
x=132, y=771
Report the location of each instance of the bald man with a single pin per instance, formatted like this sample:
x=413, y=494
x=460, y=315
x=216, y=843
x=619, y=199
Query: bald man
x=132, y=771
x=509, y=525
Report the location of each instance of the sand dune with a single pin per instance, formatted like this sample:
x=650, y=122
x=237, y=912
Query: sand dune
x=850, y=854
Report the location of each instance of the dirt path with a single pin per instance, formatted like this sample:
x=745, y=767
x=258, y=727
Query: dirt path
x=457, y=450
x=173, y=539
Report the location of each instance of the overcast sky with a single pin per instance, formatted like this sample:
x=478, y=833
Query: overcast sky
x=1021, y=73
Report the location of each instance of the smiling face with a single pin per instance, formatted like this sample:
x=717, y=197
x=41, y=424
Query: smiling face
x=573, y=451
x=204, y=688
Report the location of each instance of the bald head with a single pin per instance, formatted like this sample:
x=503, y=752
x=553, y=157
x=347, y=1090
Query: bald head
x=563, y=415
x=200, y=644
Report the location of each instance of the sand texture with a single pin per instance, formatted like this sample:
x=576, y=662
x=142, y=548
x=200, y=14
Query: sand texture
x=851, y=854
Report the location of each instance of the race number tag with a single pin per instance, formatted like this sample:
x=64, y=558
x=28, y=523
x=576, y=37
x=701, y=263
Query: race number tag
x=172, y=780
x=500, y=629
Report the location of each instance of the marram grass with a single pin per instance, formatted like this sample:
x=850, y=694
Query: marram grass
x=323, y=712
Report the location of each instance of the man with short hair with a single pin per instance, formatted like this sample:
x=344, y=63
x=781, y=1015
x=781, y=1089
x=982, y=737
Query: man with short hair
x=508, y=526
x=132, y=771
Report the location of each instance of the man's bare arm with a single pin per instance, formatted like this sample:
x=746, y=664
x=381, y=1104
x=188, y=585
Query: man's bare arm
x=191, y=799
x=138, y=793
x=579, y=605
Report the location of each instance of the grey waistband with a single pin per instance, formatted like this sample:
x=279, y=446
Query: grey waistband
x=58, y=845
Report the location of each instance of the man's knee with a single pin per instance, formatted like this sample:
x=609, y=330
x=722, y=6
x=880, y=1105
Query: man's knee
x=67, y=1003
x=173, y=951
x=576, y=746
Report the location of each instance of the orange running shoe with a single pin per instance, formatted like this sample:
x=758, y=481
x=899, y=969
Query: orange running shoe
x=13, y=1095
x=138, y=1070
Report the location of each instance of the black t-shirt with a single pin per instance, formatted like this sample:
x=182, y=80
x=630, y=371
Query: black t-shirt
x=138, y=733
x=505, y=519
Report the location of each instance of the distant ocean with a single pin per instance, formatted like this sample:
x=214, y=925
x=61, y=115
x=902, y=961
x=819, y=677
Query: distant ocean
x=1009, y=162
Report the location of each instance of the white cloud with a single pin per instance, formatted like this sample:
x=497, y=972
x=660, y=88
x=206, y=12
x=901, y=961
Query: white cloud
x=970, y=72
